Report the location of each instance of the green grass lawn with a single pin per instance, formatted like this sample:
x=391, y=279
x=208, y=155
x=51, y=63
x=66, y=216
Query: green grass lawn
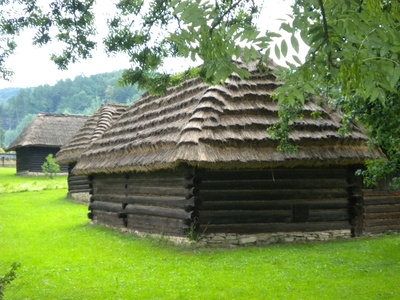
x=63, y=256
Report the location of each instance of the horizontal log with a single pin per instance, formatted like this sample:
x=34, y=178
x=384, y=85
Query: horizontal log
x=275, y=227
x=173, y=202
x=157, y=211
x=300, y=183
x=71, y=191
x=270, y=216
x=371, y=216
x=381, y=229
x=105, y=206
x=382, y=222
x=109, y=198
x=108, y=218
x=272, y=174
x=381, y=200
x=160, y=190
x=77, y=178
x=141, y=179
x=78, y=186
x=224, y=195
x=143, y=190
x=281, y=204
x=156, y=221
x=243, y=216
x=157, y=230
x=382, y=208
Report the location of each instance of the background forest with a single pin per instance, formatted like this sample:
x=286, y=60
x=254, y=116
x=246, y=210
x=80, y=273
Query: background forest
x=82, y=95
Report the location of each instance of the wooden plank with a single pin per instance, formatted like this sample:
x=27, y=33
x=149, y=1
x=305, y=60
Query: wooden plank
x=329, y=215
x=154, y=229
x=392, y=215
x=298, y=183
x=155, y=182
x=269, y=216
x=272, y=174
x=382, y=200
x=224, y=195
x=105, y=206
x=79, y=187
x=157, y=211
x=156, y=221
x=109, y=198
x=382, y=222
x=381, y=229
x=164, y=201
x=79, y=191
x=160, y=190
x=108, y=218
x=279, y=204
x=274, y=227
x=244, y=216
x=382, y=208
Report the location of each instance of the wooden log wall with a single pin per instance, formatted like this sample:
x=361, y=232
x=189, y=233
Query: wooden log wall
x=160, y=202
x=381, y=209
x=31, y=159
x=76, y=183
x=280, y=200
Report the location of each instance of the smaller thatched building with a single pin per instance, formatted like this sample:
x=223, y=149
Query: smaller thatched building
x=43, y=136
x=70, y=153
x=200, y=159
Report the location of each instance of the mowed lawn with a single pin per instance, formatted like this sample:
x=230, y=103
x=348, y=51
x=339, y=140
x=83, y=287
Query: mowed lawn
x=63, y=256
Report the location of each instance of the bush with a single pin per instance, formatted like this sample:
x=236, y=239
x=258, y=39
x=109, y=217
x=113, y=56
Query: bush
x=50, y=167
x=8, y=278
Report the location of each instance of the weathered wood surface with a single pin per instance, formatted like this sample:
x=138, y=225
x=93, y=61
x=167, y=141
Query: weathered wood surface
x=381, y=209
x=32, y=158
x=275, y=227
x=159, y=204
x=226, y=201
x=275, y=200
x=108, y=218
x=275, y=204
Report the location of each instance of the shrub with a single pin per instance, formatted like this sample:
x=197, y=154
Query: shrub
x=8, y=278
x=50, y=167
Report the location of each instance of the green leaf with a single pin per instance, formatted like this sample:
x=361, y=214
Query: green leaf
x=284, y=48
x=374, y=94
x=277, y=52
x=287, y=27
x=180, y=7
x=394, y=79
x=297, y=59
x=295, y=43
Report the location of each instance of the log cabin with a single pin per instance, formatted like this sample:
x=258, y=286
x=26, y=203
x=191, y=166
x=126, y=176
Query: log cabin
x=70, y=152
x=200, y=159
x=43, y=136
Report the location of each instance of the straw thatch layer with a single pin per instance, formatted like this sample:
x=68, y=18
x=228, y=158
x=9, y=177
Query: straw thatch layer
x=223, y=126
x=49, y=130
x=93, y=129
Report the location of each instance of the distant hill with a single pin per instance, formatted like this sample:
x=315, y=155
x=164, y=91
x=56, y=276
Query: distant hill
x=82, y=95
x=7, y=93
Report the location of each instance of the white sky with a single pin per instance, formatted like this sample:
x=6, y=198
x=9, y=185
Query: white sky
x=32, y=65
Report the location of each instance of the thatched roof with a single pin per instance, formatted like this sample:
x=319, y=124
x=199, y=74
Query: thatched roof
x=93, y=128
x=223, y=127
x=48, y=130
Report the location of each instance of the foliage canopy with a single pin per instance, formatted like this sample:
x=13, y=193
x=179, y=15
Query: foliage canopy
x=353, y=57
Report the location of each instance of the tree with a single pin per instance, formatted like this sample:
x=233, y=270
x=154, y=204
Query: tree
x=50, y=167
x=354, y=48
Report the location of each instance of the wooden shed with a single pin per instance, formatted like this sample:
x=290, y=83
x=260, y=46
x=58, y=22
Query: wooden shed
x=71, y=151
x=199, y=158
x=43, y=136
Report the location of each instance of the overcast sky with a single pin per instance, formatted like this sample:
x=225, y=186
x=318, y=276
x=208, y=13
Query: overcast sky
x=32, y=66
